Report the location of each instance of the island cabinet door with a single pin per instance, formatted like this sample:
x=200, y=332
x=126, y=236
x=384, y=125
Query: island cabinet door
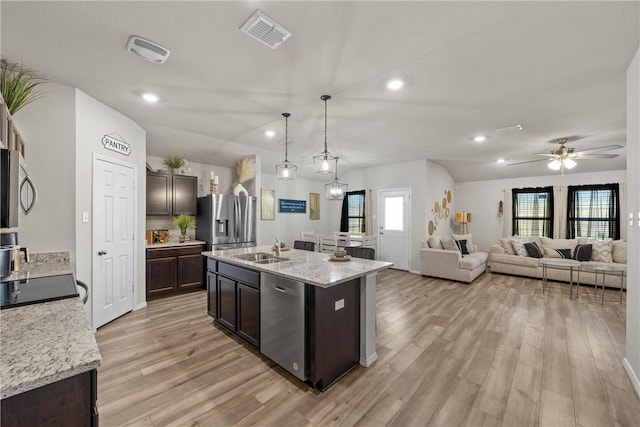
x=333, y=332
x=212, y=294
x=227, y=302
x=249, y=314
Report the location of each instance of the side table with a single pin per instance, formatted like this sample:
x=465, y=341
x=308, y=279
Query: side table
x=562, y=264
x=604, y=270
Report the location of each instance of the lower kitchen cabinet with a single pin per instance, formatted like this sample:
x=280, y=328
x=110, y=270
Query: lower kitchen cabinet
x=234, y=301
x=173, y=270
x=67, y=403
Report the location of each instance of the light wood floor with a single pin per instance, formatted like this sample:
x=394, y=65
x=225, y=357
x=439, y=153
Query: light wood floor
x=496, y=353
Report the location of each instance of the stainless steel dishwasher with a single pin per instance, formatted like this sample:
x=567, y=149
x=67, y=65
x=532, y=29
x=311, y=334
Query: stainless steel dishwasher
x=282, y=323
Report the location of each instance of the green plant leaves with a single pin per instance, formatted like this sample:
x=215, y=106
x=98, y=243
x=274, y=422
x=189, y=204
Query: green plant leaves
x=18, y=85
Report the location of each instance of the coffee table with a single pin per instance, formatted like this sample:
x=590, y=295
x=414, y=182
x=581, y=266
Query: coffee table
x=561, y=264
x=604, y=270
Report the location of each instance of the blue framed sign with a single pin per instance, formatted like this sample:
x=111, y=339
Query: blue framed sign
x=292, y=206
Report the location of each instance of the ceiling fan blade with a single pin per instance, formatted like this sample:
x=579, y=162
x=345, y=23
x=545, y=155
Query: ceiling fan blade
x=596, y=156
x=528, y=161
x=547, y=155
x=605, y=148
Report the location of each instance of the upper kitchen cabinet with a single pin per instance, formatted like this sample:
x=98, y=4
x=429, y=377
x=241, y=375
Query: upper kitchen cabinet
x=171, y=194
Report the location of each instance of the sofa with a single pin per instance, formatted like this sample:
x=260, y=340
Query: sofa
x=504, y=258
x=442, y=257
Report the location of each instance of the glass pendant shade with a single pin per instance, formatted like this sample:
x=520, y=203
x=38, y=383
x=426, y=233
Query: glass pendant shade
x=569, y=163
x=554, y=164
x=336, y=189
x=286, y=170
x=325, y=162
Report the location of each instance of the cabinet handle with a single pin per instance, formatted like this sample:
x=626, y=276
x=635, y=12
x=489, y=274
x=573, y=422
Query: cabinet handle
x=278, y=288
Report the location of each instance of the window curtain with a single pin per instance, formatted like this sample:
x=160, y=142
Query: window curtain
x=368, y=213
x=622, y=188
x=353, y=210
x=507, y=226
x=559, y=211
x=593, y=211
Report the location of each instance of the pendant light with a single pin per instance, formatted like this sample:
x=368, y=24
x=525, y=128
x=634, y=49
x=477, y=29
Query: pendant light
x=325, y=162
x=286, y=170
x=336, y=189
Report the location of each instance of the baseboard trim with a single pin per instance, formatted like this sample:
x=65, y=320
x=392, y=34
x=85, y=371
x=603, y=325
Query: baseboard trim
x=140, y=306
x=369, y=360
x=632, y=375
x=415, y=272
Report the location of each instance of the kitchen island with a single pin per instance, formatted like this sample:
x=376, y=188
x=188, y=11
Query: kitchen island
x=337, y=302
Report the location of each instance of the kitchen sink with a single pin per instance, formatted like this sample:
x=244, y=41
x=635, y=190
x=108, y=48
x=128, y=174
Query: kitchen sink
x=258, y=256
x=271, y=260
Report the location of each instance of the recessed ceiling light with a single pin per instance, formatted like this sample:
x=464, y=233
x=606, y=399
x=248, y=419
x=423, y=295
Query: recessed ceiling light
x=480, y=138
x=150, y=97
x=501, y=160
x=395, y=84
x=270, y=133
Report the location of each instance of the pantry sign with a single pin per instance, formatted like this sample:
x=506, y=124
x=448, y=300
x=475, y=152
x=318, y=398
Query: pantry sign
x=115, y=142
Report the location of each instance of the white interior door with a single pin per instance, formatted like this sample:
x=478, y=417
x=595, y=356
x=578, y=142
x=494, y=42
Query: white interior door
x=394, y=208
x=113, y=239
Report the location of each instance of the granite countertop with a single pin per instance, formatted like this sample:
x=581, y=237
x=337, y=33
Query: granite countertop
x=172, y=245
x=314, y=268
x=47, y=342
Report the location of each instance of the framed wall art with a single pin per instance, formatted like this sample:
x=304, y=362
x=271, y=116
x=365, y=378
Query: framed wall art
x=314, y=205
x=267, y=204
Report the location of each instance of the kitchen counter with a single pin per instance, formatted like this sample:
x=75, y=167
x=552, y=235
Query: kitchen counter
x=175, y=245
x=314, y=268
x=47, y=342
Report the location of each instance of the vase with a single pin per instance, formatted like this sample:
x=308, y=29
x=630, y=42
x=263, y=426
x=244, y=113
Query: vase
x=183, y=237
x=240, y=190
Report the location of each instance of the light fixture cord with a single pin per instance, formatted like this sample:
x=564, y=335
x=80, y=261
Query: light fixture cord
x=325, y=127
x=286, y=139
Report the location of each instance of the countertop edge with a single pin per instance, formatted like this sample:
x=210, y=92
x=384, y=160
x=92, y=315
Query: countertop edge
x=175, y=245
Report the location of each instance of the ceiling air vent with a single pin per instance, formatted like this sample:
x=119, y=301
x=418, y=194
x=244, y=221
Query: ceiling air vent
x=147, y=49
x=264, y=29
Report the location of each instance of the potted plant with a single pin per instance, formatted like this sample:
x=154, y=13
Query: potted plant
x=173, y=163
x=18, y=85
x=183, y=222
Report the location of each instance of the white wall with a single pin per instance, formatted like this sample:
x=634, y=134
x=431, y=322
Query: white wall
x=427, y=182
x=632, y=349
x=202, y=171
x=481, y=199
x=93, y=121
x=48, y=129
x=287, y=226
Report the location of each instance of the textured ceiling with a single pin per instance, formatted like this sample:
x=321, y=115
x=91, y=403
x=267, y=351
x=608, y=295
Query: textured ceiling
x=556, y=68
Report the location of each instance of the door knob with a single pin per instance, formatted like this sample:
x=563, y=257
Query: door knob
x=102, y=252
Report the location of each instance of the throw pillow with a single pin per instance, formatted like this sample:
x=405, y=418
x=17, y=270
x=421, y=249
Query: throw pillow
x=582, y=252
x=533, y=250
x=466, y=237
x=518, y=247
x=434, y=242
x=564, y=253
x=551, y=253
x=602, y=250
x=620, y=251
x=506, y=244
x=448, y=243
x=462, y=246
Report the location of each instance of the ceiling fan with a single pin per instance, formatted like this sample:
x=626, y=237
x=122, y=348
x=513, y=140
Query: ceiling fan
x=565, y=157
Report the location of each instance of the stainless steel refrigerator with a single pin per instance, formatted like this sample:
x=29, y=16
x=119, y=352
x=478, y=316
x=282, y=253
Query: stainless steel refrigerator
x=226, y=221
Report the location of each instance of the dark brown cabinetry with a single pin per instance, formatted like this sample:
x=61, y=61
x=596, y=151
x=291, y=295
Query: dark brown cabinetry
x=174, y=269
x=171, y=194
x=234, y=299
x=69, y=402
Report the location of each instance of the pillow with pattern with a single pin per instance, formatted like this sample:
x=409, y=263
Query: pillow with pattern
x=448, y=243
x=518, y=247
x=582, y=252
x=533, y=250
x=602, y=250
x=564, y=253
x=462, y=246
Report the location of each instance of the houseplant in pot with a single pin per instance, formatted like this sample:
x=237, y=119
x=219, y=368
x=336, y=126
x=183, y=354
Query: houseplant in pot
x=18, y=85
x=173, y=163
x=184, y=222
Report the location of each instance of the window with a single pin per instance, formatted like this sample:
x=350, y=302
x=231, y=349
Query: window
x=533, y=211
x=593, y=211
x=353, y=212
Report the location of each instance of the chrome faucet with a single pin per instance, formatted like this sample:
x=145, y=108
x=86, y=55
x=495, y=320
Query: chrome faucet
x=277, y=246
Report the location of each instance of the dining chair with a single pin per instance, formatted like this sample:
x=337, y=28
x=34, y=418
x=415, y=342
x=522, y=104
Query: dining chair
x=355, y=239
x=306, y=246
x=308, y=236
x=342, y=238
x=370, y=241
x=360, y=252
x=327, y=243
